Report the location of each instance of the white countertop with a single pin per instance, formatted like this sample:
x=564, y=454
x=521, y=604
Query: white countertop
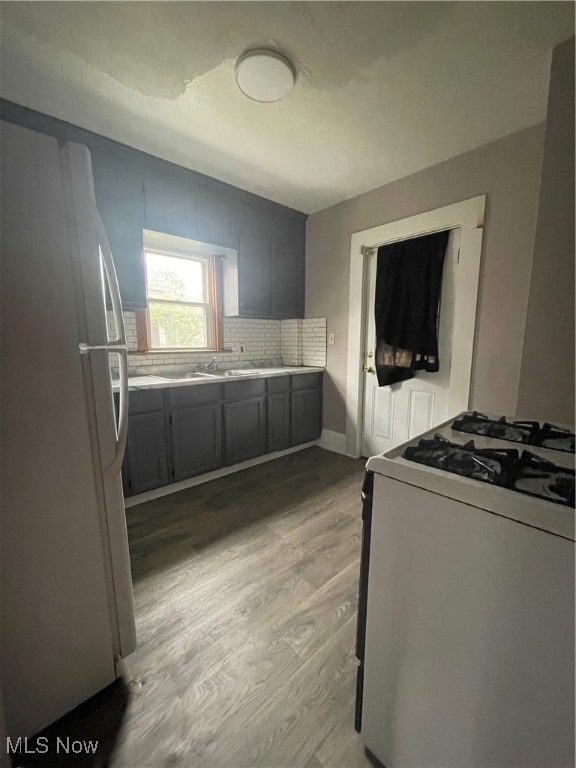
x=161, y=382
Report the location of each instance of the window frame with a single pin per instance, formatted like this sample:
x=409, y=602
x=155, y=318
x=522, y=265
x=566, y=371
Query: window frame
x=213, y=289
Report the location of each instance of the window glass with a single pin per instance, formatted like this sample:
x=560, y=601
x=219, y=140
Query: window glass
x=175, y=279
x=177, y=325
x=179, y=315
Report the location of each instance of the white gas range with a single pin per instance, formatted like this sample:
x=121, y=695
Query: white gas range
x=466, y=609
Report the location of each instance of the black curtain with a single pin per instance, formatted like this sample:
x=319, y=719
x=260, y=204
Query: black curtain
x=408, y=286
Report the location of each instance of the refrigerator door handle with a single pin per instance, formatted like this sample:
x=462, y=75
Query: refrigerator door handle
x=112, y=347
x=112, y=280
x=118, y=345
x=115, y=465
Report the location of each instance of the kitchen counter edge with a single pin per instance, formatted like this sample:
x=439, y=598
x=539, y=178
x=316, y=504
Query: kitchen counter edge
x=262, y=374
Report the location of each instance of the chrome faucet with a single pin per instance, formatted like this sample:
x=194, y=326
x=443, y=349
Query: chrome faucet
x=212, y=365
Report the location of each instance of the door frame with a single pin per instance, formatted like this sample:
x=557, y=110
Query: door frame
x=467, y=215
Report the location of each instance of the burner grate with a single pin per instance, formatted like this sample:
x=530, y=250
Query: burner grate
x=536, y=476
x=527, y=432
x=506, y=467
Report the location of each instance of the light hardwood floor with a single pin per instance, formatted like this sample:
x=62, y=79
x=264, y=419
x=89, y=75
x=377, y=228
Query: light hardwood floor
x=246, y=592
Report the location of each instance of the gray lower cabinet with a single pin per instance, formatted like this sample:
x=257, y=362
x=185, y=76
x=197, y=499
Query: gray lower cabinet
x=306, y=408
x=196, y=434
x=245, y=433
x=278, y=407
x=245, y=429
x=180, y=432
x=146, y=465
x=279, y=421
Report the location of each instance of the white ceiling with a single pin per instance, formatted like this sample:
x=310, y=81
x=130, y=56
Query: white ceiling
x=383, y=89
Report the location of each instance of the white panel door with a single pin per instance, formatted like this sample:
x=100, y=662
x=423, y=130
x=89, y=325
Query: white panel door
x=396, y=413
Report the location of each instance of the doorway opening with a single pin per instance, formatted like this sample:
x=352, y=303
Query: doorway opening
x=396, y=421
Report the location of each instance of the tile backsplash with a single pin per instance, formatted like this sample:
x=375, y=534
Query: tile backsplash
x=314, y=341
x=292, y=342
x=303, y=342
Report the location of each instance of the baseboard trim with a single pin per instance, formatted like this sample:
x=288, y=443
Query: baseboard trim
x=166, y=490
x=333, y=441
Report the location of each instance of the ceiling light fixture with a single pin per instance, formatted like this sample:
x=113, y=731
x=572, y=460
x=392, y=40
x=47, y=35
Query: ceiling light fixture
x=264, y=75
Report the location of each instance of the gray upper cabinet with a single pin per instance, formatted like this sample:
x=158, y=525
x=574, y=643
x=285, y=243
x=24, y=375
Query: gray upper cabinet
x=135, y=190
x=216, y=222
x=288, y=266
x=271, y=267
x=120, y=200
x=170, y=206
x=254, y=275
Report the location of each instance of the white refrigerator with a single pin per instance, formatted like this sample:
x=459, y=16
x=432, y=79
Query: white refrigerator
x=66, y=590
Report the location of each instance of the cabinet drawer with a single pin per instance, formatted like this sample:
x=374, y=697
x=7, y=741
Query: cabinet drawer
x=145, y=400
x=306, y=380
x=278, y=384
x=195, y=394
x=243, y=390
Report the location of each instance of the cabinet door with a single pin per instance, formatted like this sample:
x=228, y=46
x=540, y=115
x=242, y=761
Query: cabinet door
x=245, y=429
x=196, y=440
x=170, y=205
x=215, y=220
x=120, y=200
x=279, y=421
x=288, y=268
x=306, y=415
x=254, y=273
x=147, y=465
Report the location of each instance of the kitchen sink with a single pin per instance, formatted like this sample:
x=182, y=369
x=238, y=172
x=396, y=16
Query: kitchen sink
x=242, y=372
x=194, y=375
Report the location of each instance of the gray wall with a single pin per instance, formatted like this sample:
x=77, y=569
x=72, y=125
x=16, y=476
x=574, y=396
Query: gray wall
x=547, y=380
x=508, y=172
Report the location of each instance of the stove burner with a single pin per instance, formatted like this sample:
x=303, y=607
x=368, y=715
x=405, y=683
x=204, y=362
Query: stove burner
x=479, y=424
x=538, y=477
x=527, y=432
x=525, y=473
x=557, y=438
x=487, y=465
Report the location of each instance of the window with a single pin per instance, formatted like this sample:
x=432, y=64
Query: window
x=182, y=294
